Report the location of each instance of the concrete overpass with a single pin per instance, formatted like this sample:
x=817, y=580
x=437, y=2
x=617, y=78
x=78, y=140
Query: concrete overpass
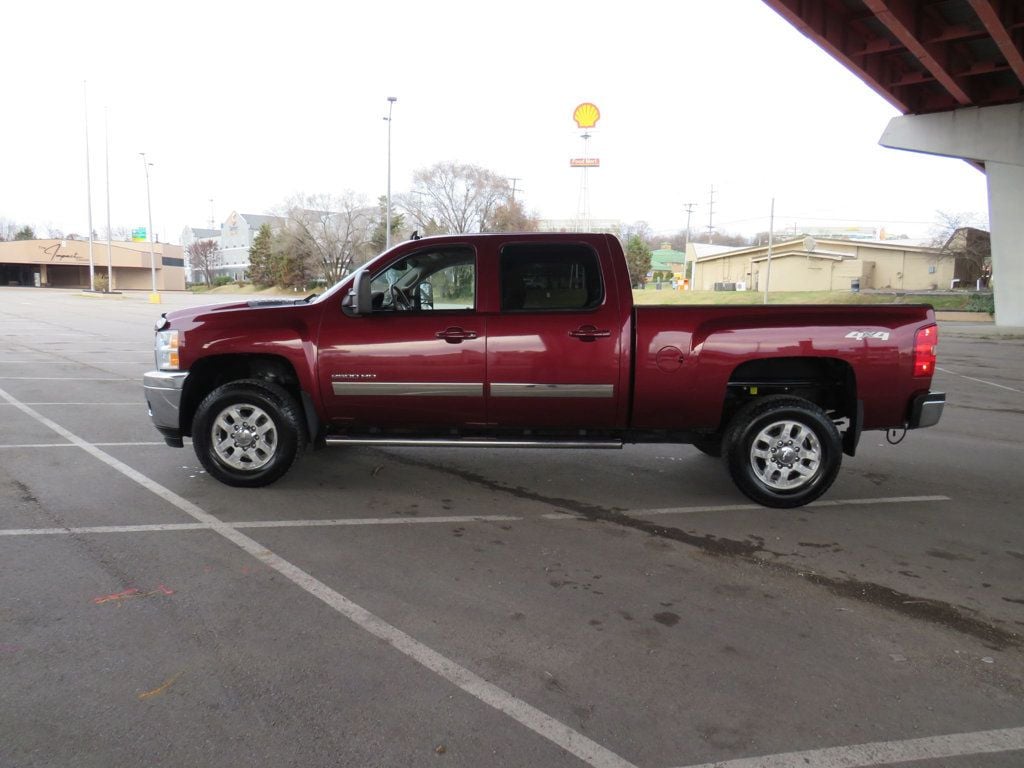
x=955, y=69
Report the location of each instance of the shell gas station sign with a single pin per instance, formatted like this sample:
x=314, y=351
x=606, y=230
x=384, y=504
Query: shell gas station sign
x=586, y=115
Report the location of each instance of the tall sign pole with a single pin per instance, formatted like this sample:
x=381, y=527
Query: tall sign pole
x=154, y=297
x=586, y=116
x=110, y=232
x=88, y=186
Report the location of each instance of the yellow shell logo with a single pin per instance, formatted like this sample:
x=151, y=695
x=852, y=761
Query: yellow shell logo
x=586, y=115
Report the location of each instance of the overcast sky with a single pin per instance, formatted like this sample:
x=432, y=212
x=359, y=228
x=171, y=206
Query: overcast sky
x=249, y=103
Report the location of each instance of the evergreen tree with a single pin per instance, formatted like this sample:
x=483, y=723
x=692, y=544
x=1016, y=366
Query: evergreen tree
x=377, y=240
x=25, y=233
x=638, y=260
x=261, y=258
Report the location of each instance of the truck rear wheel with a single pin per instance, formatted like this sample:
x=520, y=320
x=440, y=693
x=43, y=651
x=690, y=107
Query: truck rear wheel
x=782, y=451
x=248, y=433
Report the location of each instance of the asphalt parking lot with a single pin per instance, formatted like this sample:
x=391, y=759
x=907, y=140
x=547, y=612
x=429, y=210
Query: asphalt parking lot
x=494, y=608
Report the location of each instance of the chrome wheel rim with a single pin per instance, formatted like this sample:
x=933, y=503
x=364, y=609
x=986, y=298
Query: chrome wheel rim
x=786, y=455
x=244, y=437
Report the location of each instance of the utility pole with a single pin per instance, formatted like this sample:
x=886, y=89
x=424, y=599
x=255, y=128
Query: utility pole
x=514, y=179
x=686, y=240
x=711, y=215
x=211, y=213
x=768, y=269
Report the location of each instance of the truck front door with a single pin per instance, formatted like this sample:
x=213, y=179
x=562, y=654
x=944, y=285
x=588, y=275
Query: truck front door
x=417, y=361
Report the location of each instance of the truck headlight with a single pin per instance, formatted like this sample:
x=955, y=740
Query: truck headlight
x=167, y=343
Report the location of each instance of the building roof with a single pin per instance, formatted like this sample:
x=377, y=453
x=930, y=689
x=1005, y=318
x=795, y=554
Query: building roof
x=665, y=258
x=256, y=220
x=708, y=250
x=836, y=248
x=203, y=234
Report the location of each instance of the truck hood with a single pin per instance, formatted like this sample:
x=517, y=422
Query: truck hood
x=191, y=313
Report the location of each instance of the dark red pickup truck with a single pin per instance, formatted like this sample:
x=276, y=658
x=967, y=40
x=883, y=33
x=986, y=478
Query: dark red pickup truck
x=532, y=340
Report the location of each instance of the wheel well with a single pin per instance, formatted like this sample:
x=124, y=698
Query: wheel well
x=211, y=372
x=829, y=383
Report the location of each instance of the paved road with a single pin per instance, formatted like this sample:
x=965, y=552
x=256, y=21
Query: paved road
x=449, y=607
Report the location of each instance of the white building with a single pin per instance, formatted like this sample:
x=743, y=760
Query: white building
x=234, y=238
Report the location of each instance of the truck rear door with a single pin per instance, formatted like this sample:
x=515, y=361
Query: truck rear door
x=554, y=346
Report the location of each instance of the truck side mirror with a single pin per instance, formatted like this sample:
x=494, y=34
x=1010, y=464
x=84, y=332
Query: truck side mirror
x=359, y=301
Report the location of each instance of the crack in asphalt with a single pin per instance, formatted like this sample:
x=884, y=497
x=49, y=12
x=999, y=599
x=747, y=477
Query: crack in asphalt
x=903, y=603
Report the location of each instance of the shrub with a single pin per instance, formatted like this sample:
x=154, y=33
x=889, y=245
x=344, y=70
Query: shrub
x=220, y=280
x=981, y=302
x=99, y=283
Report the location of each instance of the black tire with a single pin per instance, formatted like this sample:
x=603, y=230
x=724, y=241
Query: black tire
x=248, y=433
x=710, y=445
x=782, y=451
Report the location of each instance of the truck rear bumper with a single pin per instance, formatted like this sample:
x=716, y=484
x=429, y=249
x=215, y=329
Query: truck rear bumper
x=163, y=397
x=926, y=410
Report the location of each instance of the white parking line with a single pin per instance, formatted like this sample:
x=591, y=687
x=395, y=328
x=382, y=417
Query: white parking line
x=136, y=402
x=59, y=378
x=544, y=725
x=159, y=527
x=72, y=445
x=980, y=381
x=887, y=752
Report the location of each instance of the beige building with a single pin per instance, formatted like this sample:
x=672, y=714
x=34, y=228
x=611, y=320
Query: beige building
x=65, y=264
x=807, y=264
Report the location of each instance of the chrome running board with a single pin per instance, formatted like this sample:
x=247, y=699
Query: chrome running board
x=455, y=442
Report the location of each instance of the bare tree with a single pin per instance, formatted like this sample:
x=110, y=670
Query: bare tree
x=8, y=229
x=452, y=197
x=326, y=234
x=123, y=234
x=510, y=216
x=948, y=222
x=204, y=257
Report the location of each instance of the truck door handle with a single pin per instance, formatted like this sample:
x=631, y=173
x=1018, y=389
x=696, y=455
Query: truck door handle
x=589, y=333
x=455, y=335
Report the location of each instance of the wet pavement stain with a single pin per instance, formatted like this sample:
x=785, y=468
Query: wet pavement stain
x=667, y=618
x=944, y=555
x=910, y=606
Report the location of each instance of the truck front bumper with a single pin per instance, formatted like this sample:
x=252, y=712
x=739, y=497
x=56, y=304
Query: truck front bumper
x=163, y=397
x=926, y=410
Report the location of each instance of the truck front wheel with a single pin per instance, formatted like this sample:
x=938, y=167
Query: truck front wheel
x=782, y=451
x=247, y=433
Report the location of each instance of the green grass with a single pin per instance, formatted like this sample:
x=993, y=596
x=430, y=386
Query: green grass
x=944, y=301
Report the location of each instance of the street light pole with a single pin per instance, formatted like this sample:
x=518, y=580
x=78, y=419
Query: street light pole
x=387, y=215
x=154, y=297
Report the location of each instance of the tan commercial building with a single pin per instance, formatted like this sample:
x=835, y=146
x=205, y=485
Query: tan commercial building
x=809, y=264
x=65, y=264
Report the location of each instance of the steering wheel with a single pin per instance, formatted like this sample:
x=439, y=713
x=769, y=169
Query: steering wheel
x=399, y=299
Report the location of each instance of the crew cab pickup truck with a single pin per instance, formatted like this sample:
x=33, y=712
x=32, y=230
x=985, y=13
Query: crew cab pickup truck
x=532, y=340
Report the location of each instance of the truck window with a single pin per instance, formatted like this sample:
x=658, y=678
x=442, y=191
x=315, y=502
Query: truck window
x=427, y=280
x=550, y=277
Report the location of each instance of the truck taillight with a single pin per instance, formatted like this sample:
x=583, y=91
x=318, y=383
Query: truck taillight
x=925, y=341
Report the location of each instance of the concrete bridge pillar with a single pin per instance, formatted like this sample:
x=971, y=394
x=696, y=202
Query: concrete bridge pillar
x=993, y=137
